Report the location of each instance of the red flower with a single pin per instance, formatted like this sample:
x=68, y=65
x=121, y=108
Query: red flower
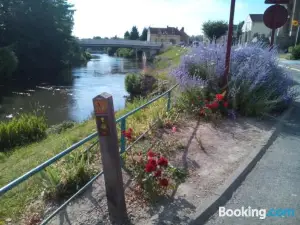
x=149, y=168
x=219, y=97
x=225, y=104
x=157, y=173
x=162, y=161
x=128, y=134
x=150, y=153
x=164, y=182
x=174, y=129
x=152, y=162
x=213, y=105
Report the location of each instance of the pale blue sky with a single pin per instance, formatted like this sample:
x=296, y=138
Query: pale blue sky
x=107, y=18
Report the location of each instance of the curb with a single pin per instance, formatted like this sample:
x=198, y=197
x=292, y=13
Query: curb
x=224, y=193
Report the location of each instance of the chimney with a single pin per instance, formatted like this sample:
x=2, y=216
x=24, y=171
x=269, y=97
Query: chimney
x=182, y=29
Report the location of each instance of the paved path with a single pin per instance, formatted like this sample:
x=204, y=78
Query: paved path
x=275, y=180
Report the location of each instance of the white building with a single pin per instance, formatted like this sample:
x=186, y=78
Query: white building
x=254, y=24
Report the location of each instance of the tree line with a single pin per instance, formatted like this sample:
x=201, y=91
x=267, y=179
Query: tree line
x=36, y=39
x=133, y=34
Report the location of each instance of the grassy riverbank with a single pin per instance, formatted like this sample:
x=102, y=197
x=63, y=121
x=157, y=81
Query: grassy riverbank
x=22, y=159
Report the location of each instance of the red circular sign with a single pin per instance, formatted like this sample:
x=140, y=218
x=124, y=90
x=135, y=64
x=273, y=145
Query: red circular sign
x=275, y=16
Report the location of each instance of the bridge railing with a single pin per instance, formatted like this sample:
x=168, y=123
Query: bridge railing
x=123, y=148
x=118, y=42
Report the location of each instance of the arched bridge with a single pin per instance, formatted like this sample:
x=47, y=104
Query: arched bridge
x=89, y=43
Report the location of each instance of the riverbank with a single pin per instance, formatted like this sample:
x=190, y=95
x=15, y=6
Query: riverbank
x=25, y=158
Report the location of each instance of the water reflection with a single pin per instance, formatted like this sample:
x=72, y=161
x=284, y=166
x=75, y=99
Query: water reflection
x=71, y=98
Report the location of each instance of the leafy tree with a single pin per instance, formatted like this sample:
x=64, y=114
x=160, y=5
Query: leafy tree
x=214, y=29
x=144, y=35
x=97, y=37
x=134, y=34
x=41, y=35
x=127, y=35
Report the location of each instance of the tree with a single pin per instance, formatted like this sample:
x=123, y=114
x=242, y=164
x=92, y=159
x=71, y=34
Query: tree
x=97, y=37
x=134, y=34
x=40, y=33
x=127, y=35
x=144, y=35
x=214, y=29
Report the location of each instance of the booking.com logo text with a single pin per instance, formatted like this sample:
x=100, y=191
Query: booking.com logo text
x=259, y=213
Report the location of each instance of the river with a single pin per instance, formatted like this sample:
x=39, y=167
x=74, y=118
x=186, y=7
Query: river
x=73, y=101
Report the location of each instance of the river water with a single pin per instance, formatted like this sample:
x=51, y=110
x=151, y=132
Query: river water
x=73, y=101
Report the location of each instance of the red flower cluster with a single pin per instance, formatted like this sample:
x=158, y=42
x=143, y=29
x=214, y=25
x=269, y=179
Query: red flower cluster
x=162, y=161
x=164, y=182
x=128, y=134
x=215, y=104
x=155, y=164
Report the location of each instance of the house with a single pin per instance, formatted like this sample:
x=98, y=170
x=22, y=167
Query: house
x=253, y=26
x=167, y=35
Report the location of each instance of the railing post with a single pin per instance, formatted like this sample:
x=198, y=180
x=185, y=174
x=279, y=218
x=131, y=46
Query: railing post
x=123, y=139
x=169, y=101
x=107, y=131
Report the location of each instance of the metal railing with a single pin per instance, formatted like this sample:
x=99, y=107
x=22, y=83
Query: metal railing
x=39, y=168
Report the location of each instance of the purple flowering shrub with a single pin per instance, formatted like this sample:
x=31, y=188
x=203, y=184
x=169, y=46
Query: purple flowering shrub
x=257, y=84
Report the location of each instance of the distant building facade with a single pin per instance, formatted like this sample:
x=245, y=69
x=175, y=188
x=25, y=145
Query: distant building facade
x=167, y=35
x=254, y=24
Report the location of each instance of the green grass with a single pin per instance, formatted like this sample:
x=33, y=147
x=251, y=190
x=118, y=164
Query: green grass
x=170, y=58
x=286, y=56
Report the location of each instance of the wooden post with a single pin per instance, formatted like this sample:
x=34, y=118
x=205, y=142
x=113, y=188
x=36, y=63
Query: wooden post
x=106, y=126
x=229, y=44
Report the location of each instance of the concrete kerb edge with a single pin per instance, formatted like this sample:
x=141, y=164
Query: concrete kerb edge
x=224, y=193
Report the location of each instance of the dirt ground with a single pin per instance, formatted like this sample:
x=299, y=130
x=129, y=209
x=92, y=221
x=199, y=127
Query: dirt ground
x=209, y=153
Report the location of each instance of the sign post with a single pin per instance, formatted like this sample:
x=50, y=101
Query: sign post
x=295, y=23
x=274, y=17
x=106, y=126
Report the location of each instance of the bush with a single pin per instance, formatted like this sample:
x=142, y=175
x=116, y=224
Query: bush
x=125, y=52
x=59, y=128
x=133, y=84
x=65, y=179
x=22, y=130
x=296, y=52
x=256, y=83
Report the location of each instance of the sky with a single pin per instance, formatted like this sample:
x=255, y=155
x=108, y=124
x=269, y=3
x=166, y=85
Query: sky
x=107, y=18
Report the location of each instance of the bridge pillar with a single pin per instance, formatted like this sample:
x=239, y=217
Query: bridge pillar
x=136, y=54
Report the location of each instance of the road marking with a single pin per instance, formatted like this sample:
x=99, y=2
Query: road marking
x=291, y=68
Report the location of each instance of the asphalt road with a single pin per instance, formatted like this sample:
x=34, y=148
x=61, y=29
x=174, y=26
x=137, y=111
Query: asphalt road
x=275, y=180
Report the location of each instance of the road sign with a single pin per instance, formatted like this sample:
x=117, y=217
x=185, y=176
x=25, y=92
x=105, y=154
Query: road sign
x=275, y=16
x=295, y=23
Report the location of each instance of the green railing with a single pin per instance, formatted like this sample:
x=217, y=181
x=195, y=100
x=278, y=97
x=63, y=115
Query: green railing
x=39, y=168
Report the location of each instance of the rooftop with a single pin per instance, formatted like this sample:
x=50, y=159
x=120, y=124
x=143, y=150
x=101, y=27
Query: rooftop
x=257, y=17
